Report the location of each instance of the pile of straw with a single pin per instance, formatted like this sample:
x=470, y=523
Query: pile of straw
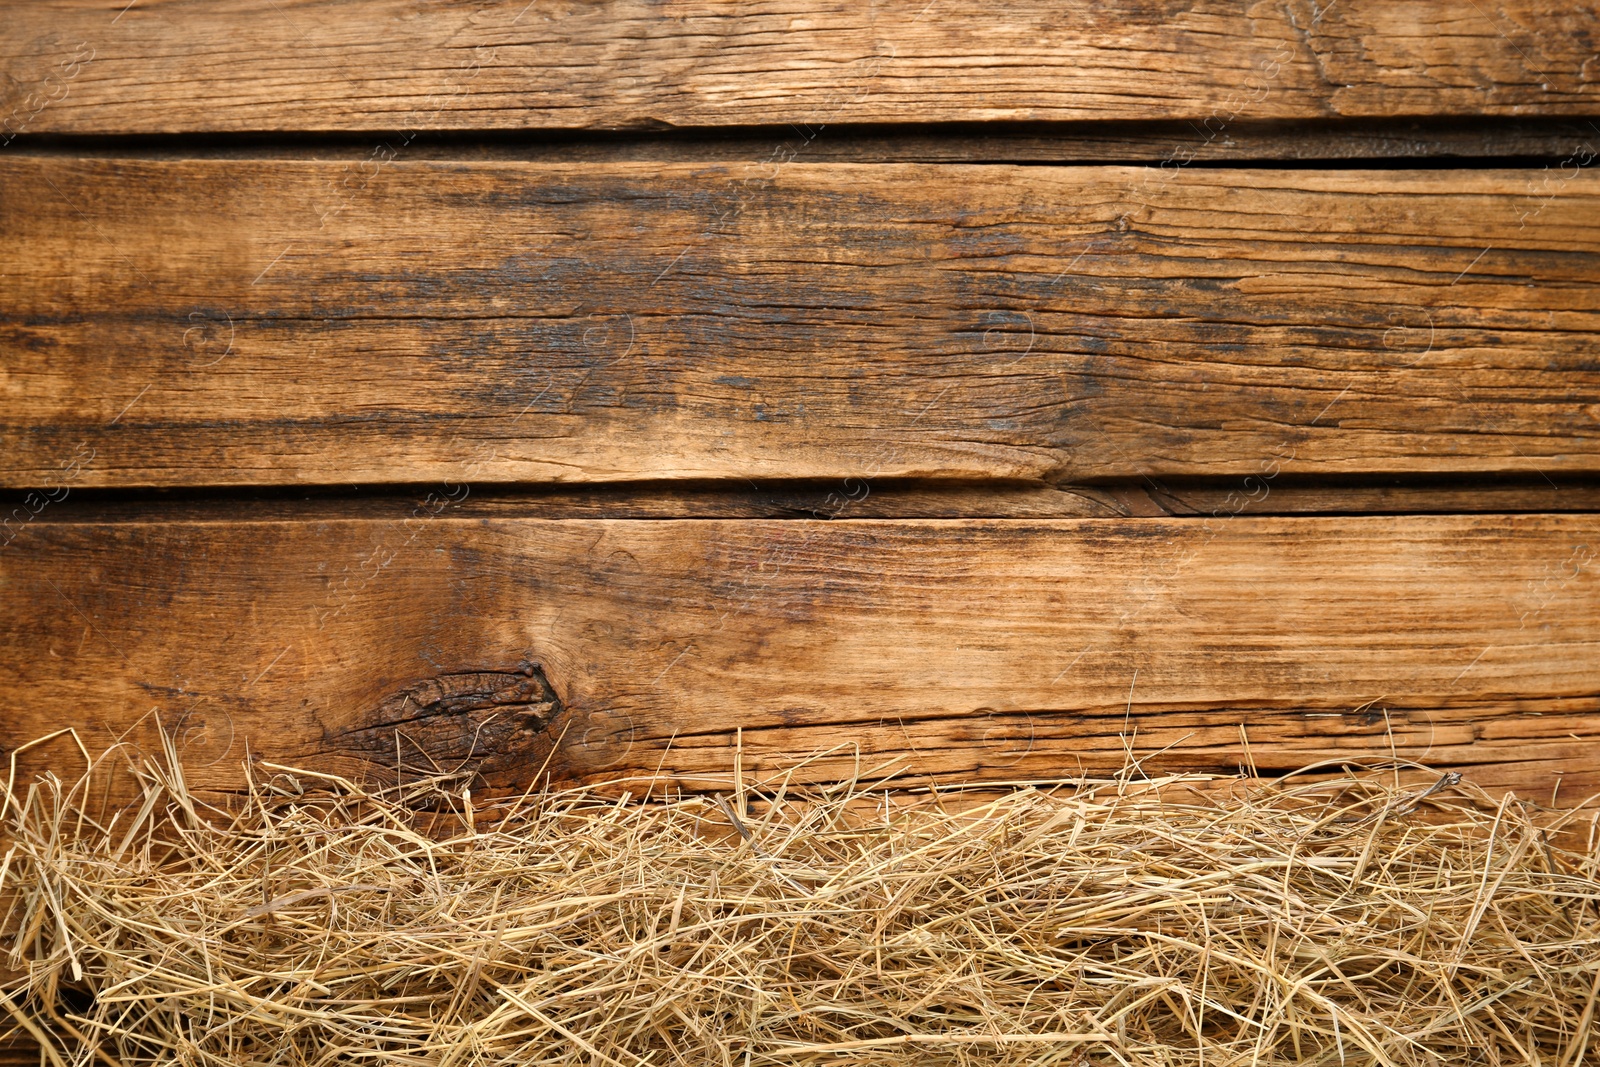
x=1343, y=922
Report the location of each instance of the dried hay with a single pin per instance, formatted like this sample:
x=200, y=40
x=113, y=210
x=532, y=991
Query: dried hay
x=1325, y=922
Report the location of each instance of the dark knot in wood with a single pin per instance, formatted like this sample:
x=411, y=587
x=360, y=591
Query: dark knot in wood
x=492, y=728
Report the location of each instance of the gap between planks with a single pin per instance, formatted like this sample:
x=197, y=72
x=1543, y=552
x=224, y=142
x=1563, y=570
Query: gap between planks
x=852, y=498
x=1330, y=143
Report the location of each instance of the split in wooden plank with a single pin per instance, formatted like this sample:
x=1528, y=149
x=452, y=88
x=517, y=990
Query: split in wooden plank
x=221, y=323
x=957, y=651
x=202, y=65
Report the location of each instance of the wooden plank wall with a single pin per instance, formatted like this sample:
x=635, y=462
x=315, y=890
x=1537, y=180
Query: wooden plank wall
x=627, y=389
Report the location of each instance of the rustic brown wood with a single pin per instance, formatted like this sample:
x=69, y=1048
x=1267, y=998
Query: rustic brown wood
x=217, y=323
x=960, y=650
x=110, y=66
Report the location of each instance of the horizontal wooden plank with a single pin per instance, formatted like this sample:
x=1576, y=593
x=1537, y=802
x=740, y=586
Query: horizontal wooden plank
x=175, y=65
x=964, y=650
x=213, y=323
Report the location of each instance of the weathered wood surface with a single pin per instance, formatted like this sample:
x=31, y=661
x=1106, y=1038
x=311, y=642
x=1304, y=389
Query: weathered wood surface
x=965, y=650
x=187, y=65
x=227, y=323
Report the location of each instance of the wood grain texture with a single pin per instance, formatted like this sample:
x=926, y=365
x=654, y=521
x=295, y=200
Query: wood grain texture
x=188, y=65
x=229, y=323
x=966, y=650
